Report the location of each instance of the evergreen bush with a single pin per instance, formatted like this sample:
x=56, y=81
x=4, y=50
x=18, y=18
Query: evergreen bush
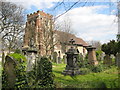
x=84, y=71
x=41, y=76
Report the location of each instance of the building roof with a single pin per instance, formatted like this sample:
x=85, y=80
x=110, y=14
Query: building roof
x=78, y=41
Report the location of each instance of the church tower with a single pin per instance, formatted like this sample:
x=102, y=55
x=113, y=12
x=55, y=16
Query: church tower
x=34, y=30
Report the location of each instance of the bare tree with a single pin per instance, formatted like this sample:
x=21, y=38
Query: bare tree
x=65, y=32
x=11, y=24
x=96, y=44
x=48, y=36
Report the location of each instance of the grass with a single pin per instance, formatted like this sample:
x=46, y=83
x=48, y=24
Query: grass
x=105, y=79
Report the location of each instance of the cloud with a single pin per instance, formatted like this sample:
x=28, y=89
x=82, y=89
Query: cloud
x=39, y=4
x=91, y=25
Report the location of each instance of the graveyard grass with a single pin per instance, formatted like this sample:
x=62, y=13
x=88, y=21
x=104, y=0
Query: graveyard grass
x=104, y=79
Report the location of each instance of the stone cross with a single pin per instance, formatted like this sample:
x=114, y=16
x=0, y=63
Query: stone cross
x=72, y=41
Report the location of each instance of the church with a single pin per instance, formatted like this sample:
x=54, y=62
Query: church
x=41, y=36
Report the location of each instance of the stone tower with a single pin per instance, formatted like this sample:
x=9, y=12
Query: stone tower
x=34, y=31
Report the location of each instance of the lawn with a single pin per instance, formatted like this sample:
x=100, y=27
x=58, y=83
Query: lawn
x=104, y=79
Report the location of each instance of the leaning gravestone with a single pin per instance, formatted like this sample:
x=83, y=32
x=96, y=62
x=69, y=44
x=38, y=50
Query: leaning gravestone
x=9, y=69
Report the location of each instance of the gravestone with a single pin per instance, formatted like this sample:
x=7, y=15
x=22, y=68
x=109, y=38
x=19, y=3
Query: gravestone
x=118, y=60
x=92, y=55
x=65, y=59
x=3, y=58
x=72, y=59
x=9, y=69
x=107, y=60
x=55, y=59
x=31, y=59
x=59, y=58
x=102, y=56
x=31, y=54
x=81, y=56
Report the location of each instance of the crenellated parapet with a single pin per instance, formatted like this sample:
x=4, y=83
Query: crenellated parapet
x=35, y=24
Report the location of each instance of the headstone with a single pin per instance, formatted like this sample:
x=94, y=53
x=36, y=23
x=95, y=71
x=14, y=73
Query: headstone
x=55, y=59
x=31, y=60
x=81, y=56
x=72, y=59
x=3, y=58
x=102, y=56
x=59, y=58
x=65, y=59
x=118, y=60
x=92, y=55
x=107, y=60
x=9, y=69
x=31, y=54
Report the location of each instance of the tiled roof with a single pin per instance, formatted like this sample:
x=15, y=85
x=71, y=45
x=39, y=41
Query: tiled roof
x=78, y=41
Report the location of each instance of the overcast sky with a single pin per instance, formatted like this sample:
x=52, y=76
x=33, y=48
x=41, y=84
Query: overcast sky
x=97, y=22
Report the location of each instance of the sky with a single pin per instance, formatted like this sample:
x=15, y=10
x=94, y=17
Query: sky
x=95, y=21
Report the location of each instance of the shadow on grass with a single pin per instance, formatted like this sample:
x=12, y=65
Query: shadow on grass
x=59, y=72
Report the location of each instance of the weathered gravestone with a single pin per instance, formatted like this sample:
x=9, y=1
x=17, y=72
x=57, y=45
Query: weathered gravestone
x=3, y=58
x=72, y=59
x=55, y=59
x=102, y=56
x=81, y=56
x=118, y=60
x=9, y=68
x=92, y=55
x=31, y=55
x=65, y=59
x=59, y=58
x=107, y=60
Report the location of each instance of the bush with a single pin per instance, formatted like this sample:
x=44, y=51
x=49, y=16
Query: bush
x=83, y=63
x=41, y=76
x=98, y=54
x=84, y=71
x=18, y=51
x=97, y=68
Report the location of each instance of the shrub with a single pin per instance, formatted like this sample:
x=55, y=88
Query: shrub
x=18, y=51
x=98, y=84
x=97, y=68
x=82, y=63
x=41, y=76
x=84, y=71
x=98, y=54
